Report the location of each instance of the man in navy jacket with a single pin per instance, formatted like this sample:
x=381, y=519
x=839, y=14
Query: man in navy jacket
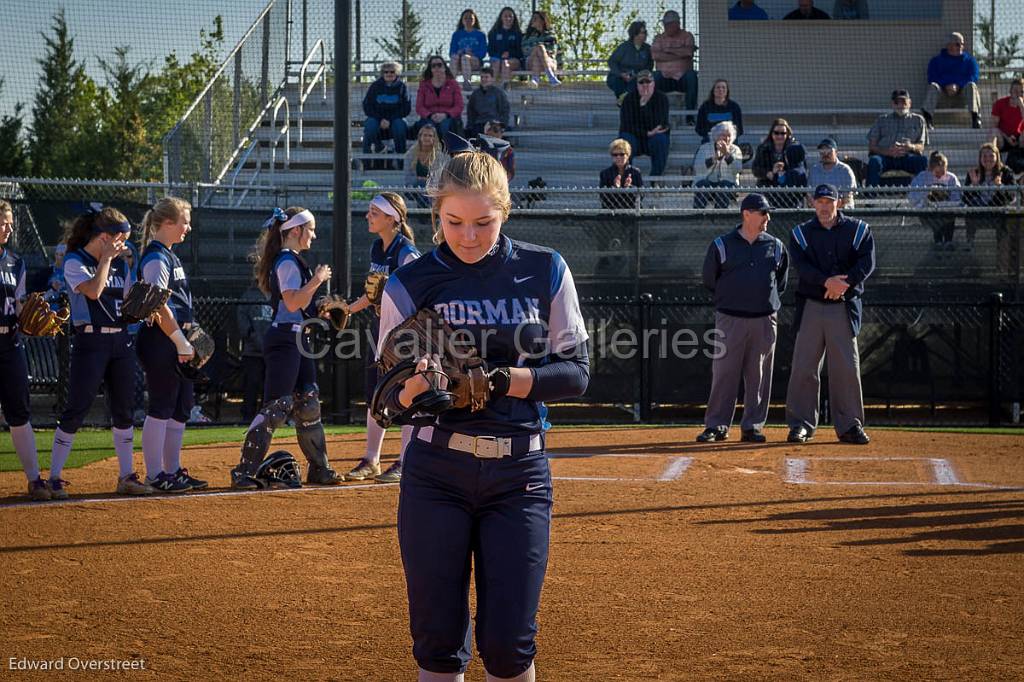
x=386, y=104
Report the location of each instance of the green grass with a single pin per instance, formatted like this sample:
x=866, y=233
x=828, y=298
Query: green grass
x=92, y=445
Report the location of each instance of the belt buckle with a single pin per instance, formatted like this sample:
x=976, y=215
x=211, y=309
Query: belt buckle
x=486, y=439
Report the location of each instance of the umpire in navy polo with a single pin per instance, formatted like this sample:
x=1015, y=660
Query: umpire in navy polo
x=746, y=269
x=833, y=255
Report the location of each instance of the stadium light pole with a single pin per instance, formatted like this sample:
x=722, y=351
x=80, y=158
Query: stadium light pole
x=341, y=234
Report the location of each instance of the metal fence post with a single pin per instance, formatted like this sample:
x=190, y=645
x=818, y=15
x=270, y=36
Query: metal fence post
x=995, y=324
x=207, y=172
x=646, y=302
x=236, y=108
x=265, y=62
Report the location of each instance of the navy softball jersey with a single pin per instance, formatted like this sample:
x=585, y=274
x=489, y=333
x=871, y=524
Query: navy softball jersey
x=457, y=510
x=101, y=351
x=288, y=370
x=170, y=395
x=13, y=364
x=400, y=252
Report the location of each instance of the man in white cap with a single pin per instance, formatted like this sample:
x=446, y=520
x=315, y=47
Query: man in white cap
x=673, y=51
x=953, y=74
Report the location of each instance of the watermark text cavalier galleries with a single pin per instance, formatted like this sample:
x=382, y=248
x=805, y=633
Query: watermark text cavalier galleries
x=75, y=664
x=606, y=340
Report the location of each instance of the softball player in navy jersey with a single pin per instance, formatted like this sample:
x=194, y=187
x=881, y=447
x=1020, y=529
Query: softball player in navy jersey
x=162, y=344
x=476, y=487
x=13, y=364
x=290, y=389
x=98, y=277
x=393, y=248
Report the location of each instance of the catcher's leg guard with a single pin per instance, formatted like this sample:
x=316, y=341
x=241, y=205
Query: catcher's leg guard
x=309, y=431
x=257, y=439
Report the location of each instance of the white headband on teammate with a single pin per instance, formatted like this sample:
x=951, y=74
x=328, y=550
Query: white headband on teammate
x=384, y=206
x=298, y=219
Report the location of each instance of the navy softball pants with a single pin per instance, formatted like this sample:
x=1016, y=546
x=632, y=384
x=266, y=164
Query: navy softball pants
x=456, y=511
x=170, y=395
x=100, y=359
x=290, y=366
x=14, y=382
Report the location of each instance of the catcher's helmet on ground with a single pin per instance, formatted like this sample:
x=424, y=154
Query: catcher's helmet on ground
x=279, y=470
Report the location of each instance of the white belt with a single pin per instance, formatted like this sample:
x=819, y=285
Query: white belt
x=295, y=327
x=484, y=447
x=89, y=329
x=6, y=330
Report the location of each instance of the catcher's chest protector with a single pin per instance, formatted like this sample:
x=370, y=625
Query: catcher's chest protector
x=106, y=310
x=12, y=269
x=161, y=266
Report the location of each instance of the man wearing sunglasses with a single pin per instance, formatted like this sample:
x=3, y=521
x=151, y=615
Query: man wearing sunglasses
x=643, y=122
x=953, y=75
x=386, y=104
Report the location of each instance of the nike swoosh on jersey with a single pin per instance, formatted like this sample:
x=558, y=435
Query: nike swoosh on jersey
x=530, y=487
x=520, y=280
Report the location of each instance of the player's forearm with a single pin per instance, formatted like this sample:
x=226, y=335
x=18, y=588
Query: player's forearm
x=94, y=287
x=297, y=299
x=168, y=325
x=561, y=379
x=361, y=303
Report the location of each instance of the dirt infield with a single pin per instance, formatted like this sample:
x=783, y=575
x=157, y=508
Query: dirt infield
x=669, y=561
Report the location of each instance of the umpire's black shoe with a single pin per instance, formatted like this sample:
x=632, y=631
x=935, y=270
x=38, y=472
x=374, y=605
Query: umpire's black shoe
x=753, y=436
x=855, y=436
x=243, y=481
x=713, y=435
x=323, y=476
x=799, y=434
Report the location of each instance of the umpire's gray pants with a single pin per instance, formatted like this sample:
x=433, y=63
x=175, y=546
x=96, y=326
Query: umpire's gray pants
x=749, y=355
x=825, y=331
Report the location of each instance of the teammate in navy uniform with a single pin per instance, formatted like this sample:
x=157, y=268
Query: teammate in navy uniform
x=393, y=248
x=290, y=389
x=476, y=487
x=162, y=344
x=13, y=365
x=98, y=277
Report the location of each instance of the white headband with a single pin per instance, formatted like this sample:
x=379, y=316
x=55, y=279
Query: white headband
x=385, y=207
x=297, y=219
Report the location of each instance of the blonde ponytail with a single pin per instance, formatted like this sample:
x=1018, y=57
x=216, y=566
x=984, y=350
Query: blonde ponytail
x=164, y=210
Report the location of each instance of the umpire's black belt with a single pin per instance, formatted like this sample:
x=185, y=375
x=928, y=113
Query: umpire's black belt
x=485, y=447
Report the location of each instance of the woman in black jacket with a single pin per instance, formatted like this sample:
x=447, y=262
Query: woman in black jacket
x=990, y=171
x=621, y=174
x=780, y=162
x=643, y=122
x=386, y=104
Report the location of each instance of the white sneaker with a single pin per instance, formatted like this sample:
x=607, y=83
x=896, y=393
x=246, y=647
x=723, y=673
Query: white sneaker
x=132, y=485
x=363, y=471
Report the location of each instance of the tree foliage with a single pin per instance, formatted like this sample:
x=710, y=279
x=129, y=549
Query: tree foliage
x=407, y=44
x=588, y=29
x=13, y=147
x=994, y=51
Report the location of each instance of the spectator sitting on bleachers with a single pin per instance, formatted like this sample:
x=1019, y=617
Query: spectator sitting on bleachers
x=620, y=174
x=896, y=141
x=468, y=47
x=831, y=171
x=717, y=163
x=629, y=58
x=643, y=122
x=718, y=108
x=386, y=104
x=850, y=9
x=953, y=73
x=673, y=51
x=806, y=11
x=438, y=100
x=780, y=162
x=487, y=103
x=507, y=158
x=541, y=49
x=990, y=171
x=505, y=46
x=55, y=285
x=937, y=187
x=424, y=157
x=746, y=9
x=1008, y=125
